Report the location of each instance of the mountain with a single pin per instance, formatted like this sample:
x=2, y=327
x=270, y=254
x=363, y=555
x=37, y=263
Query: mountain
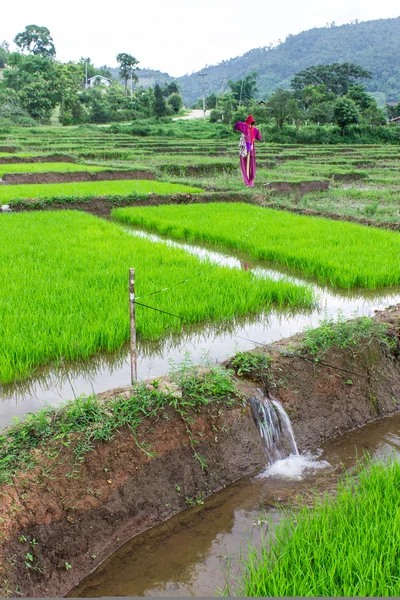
x=375, y=45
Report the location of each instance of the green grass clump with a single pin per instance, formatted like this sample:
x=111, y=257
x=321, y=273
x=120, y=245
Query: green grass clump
x=83, y=422
x=342, y=547
x=346, y=255
x=88, y=189
x=342, y=333
x=63, y=292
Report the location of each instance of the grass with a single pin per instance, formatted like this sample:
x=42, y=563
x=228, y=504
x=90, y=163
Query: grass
x=91, y=189
x=46, y=168
x=64, y=289
x=343, y=547
x=87, y=420
x=341, y=333
x=341, y=254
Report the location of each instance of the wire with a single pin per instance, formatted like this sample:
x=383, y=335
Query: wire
x=157, y=310
x=293, y=354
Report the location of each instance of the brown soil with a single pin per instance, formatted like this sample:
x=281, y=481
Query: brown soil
x=52, y=177
x=334, y=216
x=5, y=160
x=348, y=177
x=297, y=188
x=9, y=149
x=120, y=491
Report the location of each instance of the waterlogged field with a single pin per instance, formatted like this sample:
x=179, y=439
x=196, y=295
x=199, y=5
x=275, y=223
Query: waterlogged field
x=343, y=547
x=341, y=254
x=95, y=189
x=64, y=289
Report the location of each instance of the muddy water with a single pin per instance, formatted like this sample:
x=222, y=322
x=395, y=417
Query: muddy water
x=193, y=553
x=206, y=344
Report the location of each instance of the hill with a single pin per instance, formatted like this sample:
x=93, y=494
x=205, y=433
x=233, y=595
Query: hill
x=374, y=45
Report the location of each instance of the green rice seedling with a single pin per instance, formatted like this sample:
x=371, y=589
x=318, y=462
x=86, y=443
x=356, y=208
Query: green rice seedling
x=64, y=289
x=346, y=546
x=341, y=254
x=90, y=189
x=47, y=168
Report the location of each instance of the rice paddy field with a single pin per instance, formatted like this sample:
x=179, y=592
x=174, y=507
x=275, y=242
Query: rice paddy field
x=360, y=181
x=64, y=283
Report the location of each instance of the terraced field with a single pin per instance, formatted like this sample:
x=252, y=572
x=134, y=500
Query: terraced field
x=77, y=167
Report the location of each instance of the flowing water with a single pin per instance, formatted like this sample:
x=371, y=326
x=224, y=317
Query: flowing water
x=197, y=551
x=206, y=344
x=274, y=427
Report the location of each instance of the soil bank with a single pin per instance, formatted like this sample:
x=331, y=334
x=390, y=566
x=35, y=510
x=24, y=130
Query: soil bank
x=70, y=525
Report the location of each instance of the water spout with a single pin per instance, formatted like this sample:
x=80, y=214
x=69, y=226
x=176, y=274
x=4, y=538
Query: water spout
x=274, y=426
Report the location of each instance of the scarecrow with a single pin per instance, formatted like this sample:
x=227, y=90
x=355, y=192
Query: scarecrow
x=247, y=151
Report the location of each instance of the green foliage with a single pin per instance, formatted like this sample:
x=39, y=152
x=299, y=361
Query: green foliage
x=253, y=364
x=345, y=112
x=159, y=105
x=343, y=546
x=127, y=66
x=244, y=89
x=341, y=333
x=280, y=106
x=337, y=77
x=36, y=40
x=175, y=102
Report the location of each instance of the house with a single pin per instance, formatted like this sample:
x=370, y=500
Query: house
x=98, y=80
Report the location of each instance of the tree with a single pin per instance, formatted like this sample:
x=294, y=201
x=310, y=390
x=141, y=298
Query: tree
x=393, y=111
x=337, y=77
x=127, y=64
x=159, y=105
x=36, y=40
x=374, y=116
x=211, y=101
x=361, y=97
x=35, y=98
x=175, y=102
x=226, y=104
x=345, y=113
x=170, y=88
x=4, y=52
x=280, y=106
x=244, y=90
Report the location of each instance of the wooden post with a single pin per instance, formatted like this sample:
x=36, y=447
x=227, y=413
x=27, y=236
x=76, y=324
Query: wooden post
x=132, y=325
x=248, y=165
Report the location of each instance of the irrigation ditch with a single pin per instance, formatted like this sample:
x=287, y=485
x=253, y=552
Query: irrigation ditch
x=70, y=525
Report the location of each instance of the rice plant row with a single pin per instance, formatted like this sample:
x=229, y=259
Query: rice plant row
x=91, y=189
x=337, y=253
x=64, y=285
x=343, y=547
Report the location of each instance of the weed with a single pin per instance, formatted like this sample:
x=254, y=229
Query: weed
x=343, y=334
x=251, y=363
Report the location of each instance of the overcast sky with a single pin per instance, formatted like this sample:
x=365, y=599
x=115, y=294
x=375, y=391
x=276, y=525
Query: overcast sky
x=178, y=36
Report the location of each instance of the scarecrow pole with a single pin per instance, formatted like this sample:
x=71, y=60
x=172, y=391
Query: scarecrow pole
x=248, y=165
x=132, y=325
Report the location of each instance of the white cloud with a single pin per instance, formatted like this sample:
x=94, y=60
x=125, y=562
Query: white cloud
x=179, y=36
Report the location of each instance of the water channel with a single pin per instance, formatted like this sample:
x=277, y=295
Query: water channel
x=206, y=344
x=197, y=551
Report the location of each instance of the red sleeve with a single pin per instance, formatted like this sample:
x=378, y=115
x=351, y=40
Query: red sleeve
x=258, y=136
